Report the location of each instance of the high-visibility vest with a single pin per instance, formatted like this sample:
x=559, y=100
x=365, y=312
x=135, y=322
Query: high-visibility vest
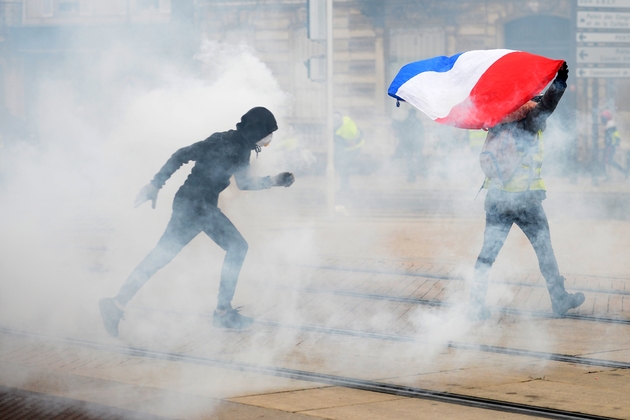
x=527, y=176
x=350, y=133
x=613, y=138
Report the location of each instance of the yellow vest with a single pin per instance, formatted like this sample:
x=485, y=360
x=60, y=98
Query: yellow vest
x=527, y=176
x=350, y=133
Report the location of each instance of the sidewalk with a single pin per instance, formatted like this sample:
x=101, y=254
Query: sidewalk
x=337, y=311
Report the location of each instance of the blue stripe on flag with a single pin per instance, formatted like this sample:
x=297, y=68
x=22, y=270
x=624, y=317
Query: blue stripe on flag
x=437, y=64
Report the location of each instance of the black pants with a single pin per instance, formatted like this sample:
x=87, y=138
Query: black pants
x=524, y=210
x=187, y=221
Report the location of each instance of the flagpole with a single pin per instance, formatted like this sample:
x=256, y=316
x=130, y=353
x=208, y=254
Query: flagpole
x=330, y=167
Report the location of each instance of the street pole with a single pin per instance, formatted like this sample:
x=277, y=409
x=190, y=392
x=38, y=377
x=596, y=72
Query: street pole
x=330, y=167
x=596, y=167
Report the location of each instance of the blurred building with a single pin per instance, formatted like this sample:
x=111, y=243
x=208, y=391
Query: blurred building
x=373, y=39
x=60, y=42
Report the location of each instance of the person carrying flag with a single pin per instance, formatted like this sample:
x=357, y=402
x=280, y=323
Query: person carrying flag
x=515, y=194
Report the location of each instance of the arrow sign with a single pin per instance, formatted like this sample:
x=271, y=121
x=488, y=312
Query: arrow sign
x=602, y=73
x=603, y=55
x=603, y=37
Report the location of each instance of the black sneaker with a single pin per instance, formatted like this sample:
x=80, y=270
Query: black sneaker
x=111, y=315
x=567, y=301
x=231, y=319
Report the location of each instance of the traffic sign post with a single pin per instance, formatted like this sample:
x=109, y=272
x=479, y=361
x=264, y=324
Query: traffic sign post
x=603, y=38
x=603, y=20
x=602, y=73
x=604, y=3
x=603, y=55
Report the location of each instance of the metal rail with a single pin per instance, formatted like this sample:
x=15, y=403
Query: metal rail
x=457, y=278
x=557, y=357
x=333, y=380
x=432, y=302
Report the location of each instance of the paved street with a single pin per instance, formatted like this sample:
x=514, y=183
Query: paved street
x=362, y=316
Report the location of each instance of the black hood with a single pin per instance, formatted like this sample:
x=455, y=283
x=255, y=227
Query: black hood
x=256, y=124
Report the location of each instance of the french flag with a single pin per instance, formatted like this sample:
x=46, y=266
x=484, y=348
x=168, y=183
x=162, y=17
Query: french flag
x=474, y=89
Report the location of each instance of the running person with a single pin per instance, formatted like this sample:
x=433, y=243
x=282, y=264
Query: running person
x=195, y=210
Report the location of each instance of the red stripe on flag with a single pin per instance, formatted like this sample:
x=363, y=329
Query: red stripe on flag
x=507, y=84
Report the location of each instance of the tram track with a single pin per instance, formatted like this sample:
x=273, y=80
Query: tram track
x=557, y=357
x=323, y=378
x=437, y=276
x=439, y=303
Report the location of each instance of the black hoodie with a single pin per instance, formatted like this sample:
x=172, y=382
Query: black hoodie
x=219, y=157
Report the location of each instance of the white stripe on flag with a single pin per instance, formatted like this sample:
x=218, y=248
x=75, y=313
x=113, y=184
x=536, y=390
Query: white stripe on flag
x=436, y=93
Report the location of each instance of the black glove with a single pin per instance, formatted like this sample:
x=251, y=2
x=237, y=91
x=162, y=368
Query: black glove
x=563, y=73
x=148, y=192
x=284, y=179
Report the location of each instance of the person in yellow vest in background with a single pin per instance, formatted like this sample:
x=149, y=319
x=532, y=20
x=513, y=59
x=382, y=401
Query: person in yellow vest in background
x=511, y=159
x=611, y=143
x=348, y=144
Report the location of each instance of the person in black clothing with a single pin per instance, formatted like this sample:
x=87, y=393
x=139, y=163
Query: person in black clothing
x=195, y=210
x=515, y=197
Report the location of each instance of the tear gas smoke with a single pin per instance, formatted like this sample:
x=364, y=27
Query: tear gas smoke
x=69, y=233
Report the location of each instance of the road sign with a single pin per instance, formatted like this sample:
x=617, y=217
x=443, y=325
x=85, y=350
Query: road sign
x=603, y=55
x=604, y=3
x=603, y=73
x=603, y=37
x=605, y=29
x=603, y=20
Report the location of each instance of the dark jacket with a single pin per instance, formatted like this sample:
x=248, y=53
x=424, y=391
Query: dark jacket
x=219, y=157
x=526, y=129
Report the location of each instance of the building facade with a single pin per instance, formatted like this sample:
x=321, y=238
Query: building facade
x=372, y=40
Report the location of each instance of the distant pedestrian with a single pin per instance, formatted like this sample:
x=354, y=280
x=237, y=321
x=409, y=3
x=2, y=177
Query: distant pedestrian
x=512, y=158
x=195, y=210
x=611, y=143
x=348, y=144
x=410, y=134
